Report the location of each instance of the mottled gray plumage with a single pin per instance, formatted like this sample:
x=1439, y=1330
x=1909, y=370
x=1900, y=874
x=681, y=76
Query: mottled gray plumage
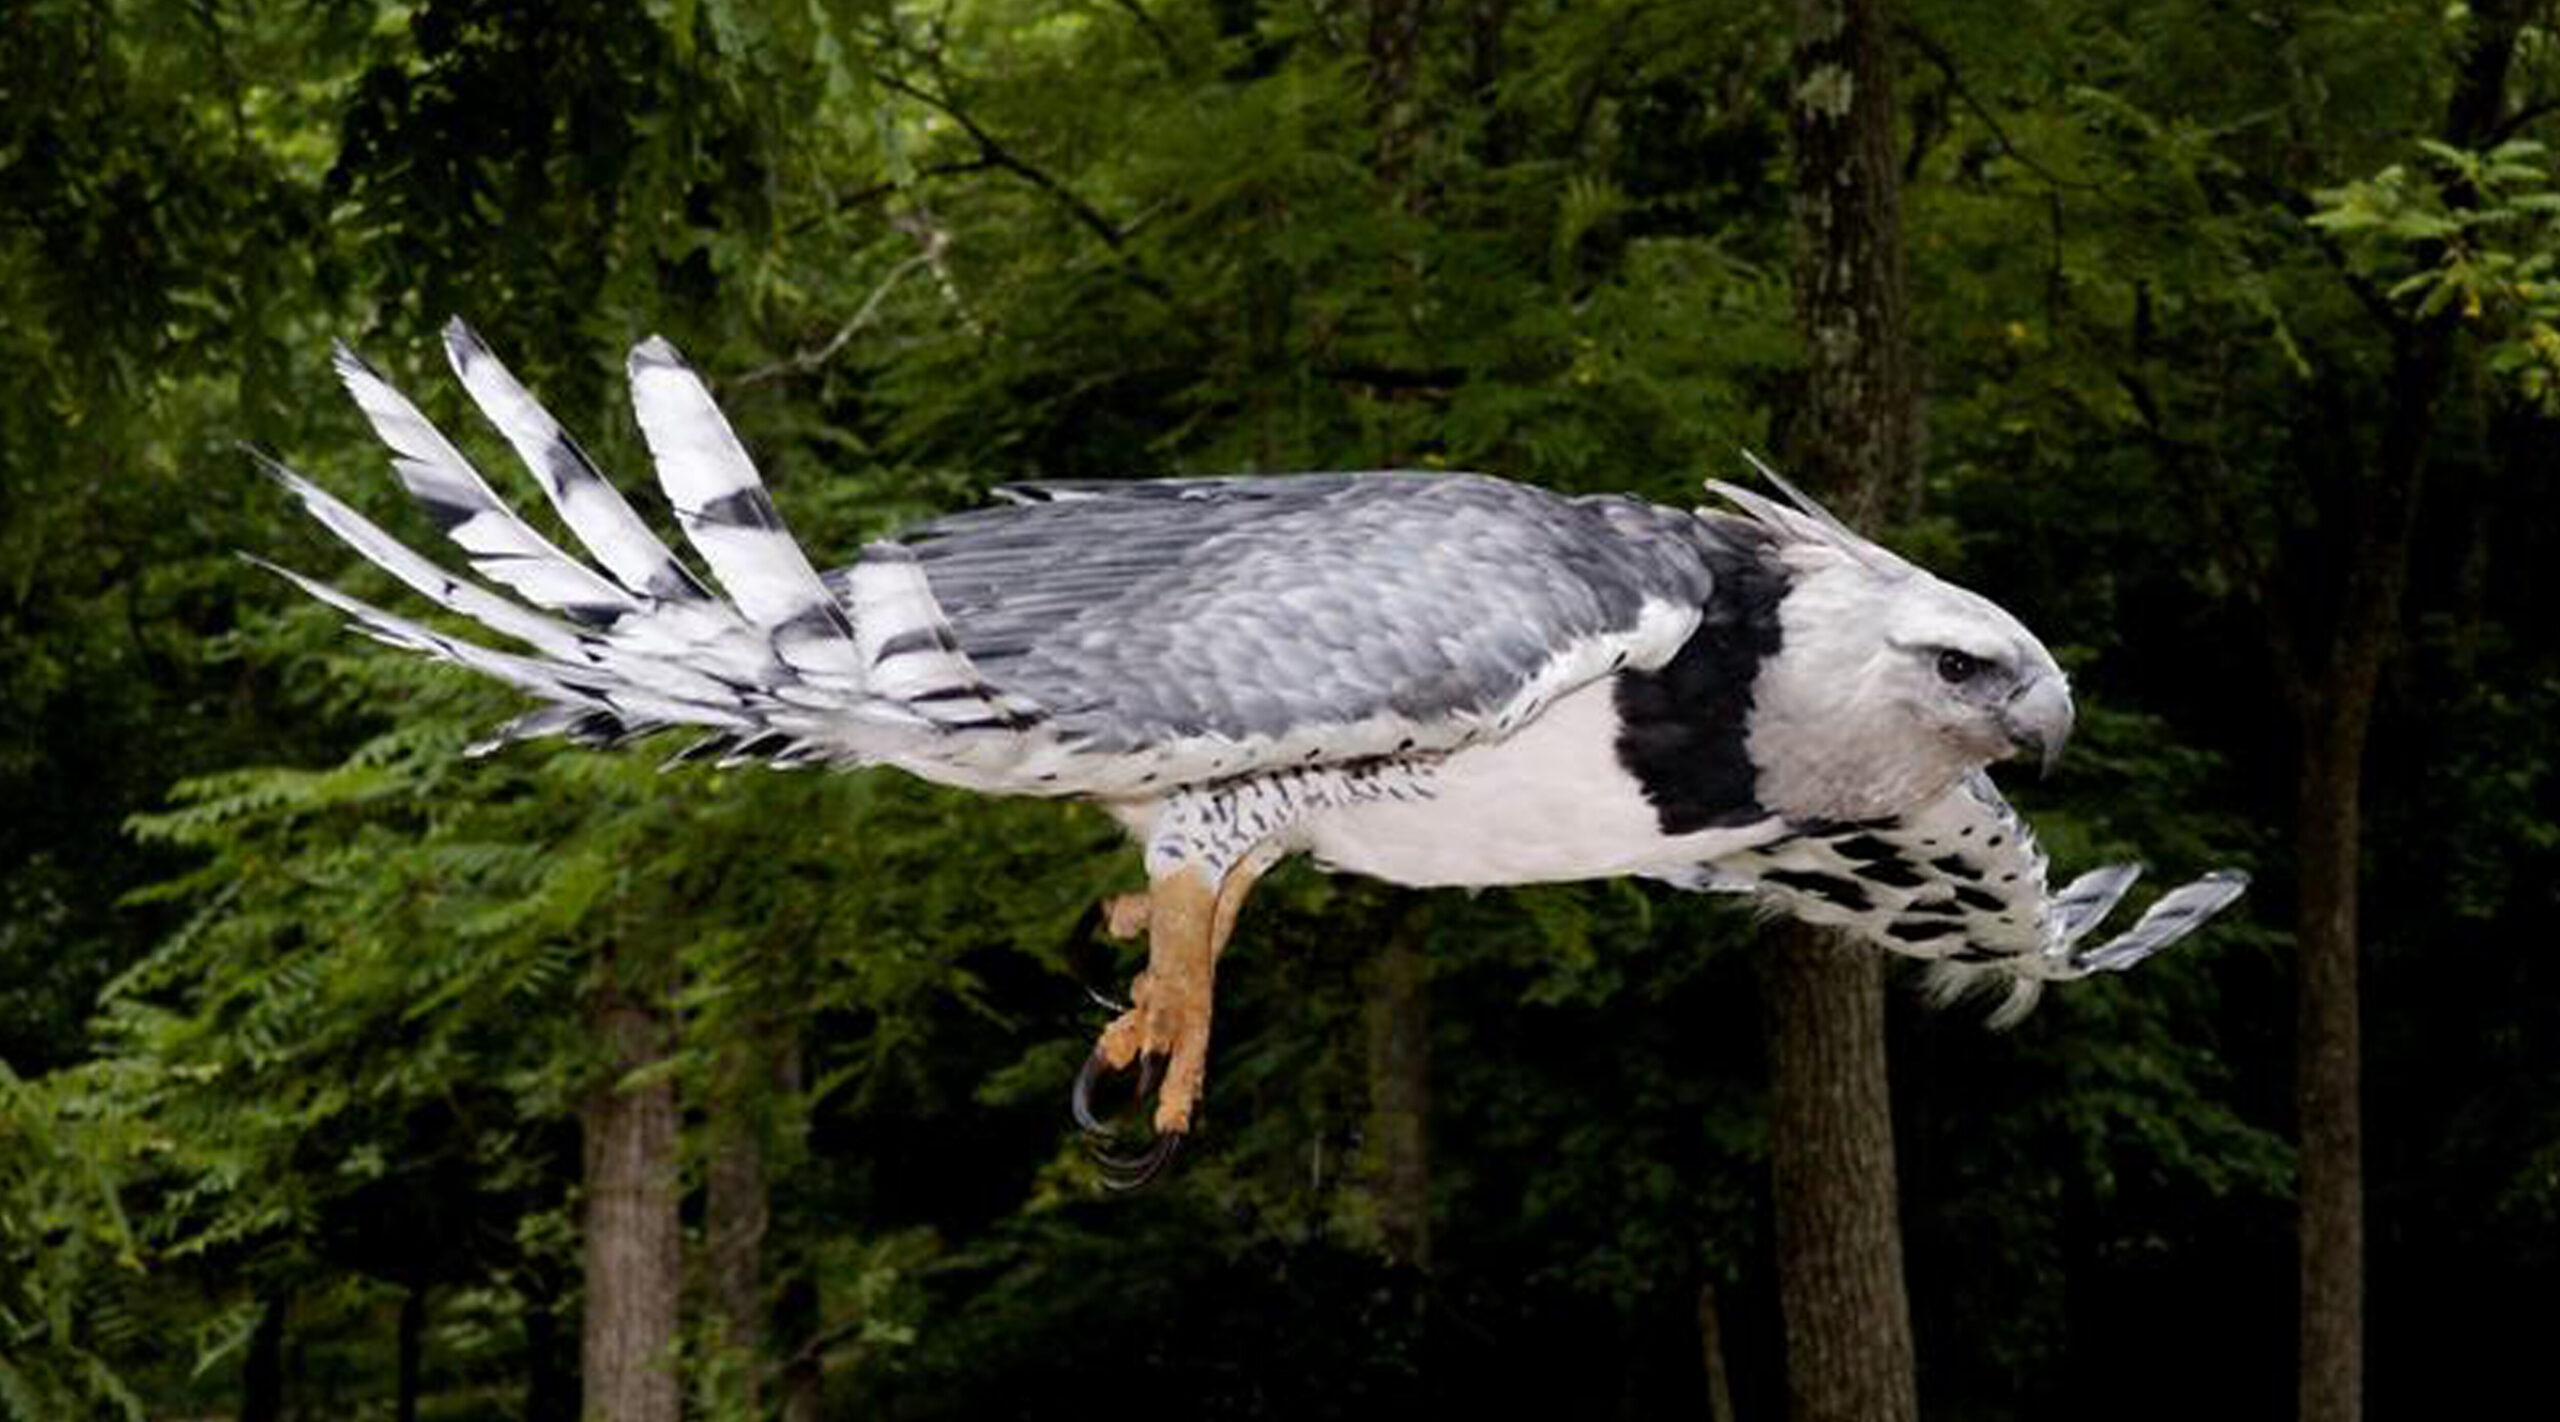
x=1137, y=614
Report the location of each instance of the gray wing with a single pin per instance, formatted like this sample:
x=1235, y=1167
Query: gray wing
x=1410, y=610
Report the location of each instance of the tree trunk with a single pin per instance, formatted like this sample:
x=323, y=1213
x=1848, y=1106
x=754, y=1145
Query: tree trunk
x=1840, y=1296
x=1398, y=1015
x=1398, y=1134
x=797, y=1312
x=634, y=1267
x=1395, y=44
x=262, y=1371
x=736, y=1214
x=2327, y=1074
x=2333, y=713
x=1846, y=1320
x=1486, y=21
x=2333, y=700
x=1711, y=1355
x=1857, y=439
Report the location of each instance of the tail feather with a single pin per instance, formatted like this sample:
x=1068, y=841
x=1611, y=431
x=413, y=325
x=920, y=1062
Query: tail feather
x=587, y=502
x=589, y=690
x=777, y=672
x=722, y=506
x=577, y=723
x=908, y=650
x=566, y=645
x=502, y=546
x=677, y=618
x=1948, y=982
x=546, y=634
x=697, y=652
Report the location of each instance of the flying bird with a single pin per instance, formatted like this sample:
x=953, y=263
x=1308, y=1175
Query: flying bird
x=1426, y=678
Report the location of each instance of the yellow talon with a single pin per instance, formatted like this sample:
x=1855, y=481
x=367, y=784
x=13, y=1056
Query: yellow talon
x=1188, y=920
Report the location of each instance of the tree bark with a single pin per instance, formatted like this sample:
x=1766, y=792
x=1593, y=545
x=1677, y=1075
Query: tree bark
x=1398, y=1135
x=1486, y=21
x=1846, y=1320
x=803, y=1380
x=2333, y=697
x=1858, y=437
x=634, y=1267
x=736, y=1213
x=1395, y=45
x=2327, y=1087
x=1711, y=1355
x=1397, y=1021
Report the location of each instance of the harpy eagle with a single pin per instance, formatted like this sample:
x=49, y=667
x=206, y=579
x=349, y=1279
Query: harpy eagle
x=1427, y=678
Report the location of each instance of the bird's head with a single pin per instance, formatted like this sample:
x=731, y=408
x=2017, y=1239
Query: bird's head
x=1889, y=683
x=1966, y=672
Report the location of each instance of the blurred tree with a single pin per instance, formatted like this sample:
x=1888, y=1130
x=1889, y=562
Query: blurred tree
x=2201, y=293
x=1856, y=439
x=1398, y=1017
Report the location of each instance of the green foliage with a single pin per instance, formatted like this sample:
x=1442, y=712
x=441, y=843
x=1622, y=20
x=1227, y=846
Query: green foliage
x=67, y=1252
x=2482, y=232
x=294, y=995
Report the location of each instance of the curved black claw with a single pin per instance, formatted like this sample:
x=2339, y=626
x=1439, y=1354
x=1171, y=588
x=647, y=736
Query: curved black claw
x=1080, y=1100
x=1123, y=1173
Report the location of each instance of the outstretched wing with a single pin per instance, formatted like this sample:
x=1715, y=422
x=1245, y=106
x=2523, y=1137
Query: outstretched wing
x=1201, y=628
x=1962, y=884
x=1087, y=638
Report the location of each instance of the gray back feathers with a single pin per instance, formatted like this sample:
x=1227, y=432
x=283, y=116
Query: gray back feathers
x=1249, y=608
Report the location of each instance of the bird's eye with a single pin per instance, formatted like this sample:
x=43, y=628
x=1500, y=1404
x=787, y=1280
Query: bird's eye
x=1956, y=668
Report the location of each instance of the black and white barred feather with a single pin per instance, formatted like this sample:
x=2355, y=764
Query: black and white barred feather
x=776, y=669
x=1961, y=884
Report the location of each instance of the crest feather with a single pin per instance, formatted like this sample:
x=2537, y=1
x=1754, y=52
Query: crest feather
x=1802, y=519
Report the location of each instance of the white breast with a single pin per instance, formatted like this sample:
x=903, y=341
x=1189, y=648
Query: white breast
x=1549, y=803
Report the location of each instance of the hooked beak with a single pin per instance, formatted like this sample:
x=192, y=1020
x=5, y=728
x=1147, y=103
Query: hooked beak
x=2038, y=719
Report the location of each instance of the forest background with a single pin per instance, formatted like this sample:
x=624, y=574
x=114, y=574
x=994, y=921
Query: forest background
x=342, y=1075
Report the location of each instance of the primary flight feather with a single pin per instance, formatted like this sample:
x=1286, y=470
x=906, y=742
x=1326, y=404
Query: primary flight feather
x=1431, y=679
